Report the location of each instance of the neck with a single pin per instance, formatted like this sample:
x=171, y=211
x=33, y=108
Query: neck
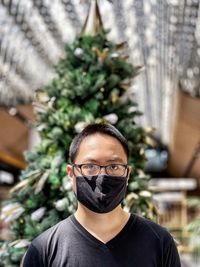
x=101, y=222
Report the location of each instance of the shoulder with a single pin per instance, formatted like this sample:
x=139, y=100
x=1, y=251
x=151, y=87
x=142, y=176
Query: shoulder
x=152, y=229
x=52, y=234
x=42, y=247
x=157, y=238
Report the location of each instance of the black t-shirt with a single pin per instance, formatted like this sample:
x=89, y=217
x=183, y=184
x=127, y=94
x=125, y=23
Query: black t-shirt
x=141, y=243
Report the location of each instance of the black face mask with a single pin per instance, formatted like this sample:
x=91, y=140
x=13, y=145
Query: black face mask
x=101, y=193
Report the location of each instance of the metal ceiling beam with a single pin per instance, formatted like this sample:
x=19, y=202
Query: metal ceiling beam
x=72, y=14
x=47, y=18
x=23, y=24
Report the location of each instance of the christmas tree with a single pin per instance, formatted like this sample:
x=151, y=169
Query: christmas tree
x=90, y=86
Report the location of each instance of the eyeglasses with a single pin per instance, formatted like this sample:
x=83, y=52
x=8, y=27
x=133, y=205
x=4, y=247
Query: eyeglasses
x=94, y=169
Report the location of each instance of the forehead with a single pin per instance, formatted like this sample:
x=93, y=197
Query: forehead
x=100, y=147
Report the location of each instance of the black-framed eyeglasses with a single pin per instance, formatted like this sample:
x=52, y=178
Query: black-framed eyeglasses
x=90, y=169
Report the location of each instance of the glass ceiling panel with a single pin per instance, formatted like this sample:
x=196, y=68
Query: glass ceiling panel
x=163, y=36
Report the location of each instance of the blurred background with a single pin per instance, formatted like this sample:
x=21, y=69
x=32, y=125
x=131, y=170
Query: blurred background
x=164, y=38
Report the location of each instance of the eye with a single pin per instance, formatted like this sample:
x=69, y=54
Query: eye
x=89, y=167
x=113, y=167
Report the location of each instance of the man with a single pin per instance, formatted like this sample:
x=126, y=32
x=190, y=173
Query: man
x=101, y=233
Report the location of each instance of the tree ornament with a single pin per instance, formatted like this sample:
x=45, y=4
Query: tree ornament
x=102, y=55
x=132, y=109
x=93, y=23
x=61, y=204
x=20, y=243
x=114, y=55
x=38, y=214
x=125, y=84
x=150, y=129
x=11, y=212
x=122, y=45
x=40, y=184
x=78, y=52
x=114, y=97
x=132, y=195
x=41, y=96
x=51, y=102
x=57, y=160
x=145, y=194
x=40, y=108
x=79, y=126
x=66, y=184
x=111, y=118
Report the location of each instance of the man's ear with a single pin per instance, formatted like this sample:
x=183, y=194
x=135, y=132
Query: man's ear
x=71, y=176
x=69, y=170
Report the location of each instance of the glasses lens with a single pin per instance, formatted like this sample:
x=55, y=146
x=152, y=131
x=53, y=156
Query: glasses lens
x=112, y=170
x=115, y=170
x=90, y=169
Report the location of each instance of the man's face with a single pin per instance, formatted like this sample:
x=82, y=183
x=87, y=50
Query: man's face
x=98, y=149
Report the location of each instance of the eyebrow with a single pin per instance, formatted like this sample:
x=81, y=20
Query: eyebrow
x=116, y=158
x=113, y=159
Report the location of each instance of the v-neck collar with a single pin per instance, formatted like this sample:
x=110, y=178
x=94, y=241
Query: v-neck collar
x=113, y=241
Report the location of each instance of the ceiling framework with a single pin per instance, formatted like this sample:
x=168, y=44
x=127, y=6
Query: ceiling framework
x=163, y=36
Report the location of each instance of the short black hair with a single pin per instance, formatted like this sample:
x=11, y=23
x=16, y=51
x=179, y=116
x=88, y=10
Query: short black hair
x=96, y=128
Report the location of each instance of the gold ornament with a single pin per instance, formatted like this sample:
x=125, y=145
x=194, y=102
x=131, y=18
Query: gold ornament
x=122, y=45
x=114, y=97
x=125, y=57
x=150, y=141
x=125, y=85
x=102, y=55
x=139, y=68
x=150, y=129
x=41, y=96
